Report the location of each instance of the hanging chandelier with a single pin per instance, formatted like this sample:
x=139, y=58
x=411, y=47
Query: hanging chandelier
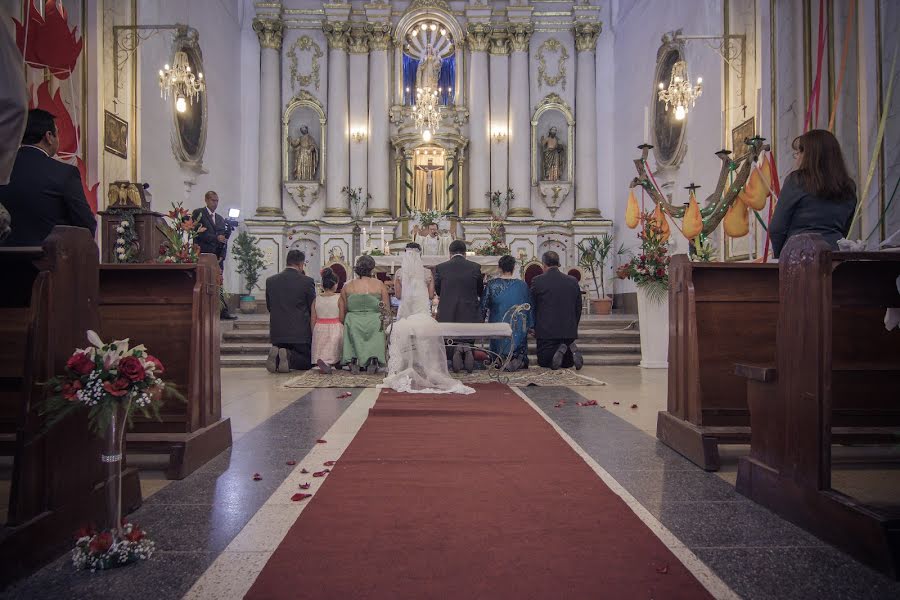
x=427, y=111
x=680, y=92
x=180, y=82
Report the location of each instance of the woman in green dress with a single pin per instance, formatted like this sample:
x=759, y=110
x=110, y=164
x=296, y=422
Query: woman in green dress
x=365, y=300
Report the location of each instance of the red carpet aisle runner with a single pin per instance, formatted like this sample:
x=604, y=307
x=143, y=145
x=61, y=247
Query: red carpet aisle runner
x=468, y=497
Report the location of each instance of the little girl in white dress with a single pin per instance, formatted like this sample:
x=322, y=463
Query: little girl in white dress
x=328, y=331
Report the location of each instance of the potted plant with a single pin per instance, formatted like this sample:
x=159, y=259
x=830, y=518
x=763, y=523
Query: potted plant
x=650, y=272
x=595, y=254
x=250, y=261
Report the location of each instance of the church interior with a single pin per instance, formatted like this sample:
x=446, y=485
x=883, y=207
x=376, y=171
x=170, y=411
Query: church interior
x=728, y=426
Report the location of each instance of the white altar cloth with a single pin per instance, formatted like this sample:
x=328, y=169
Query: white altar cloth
x=392, y=262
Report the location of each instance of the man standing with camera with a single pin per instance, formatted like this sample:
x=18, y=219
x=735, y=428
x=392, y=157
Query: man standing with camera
x=214, y=234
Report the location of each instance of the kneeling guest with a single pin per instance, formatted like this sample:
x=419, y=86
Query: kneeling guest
x=289, y=298
x=557, y=313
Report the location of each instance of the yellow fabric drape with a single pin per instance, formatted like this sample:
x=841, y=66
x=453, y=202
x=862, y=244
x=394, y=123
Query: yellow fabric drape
x=420, y=195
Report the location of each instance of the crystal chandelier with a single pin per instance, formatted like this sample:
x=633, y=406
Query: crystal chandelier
x=680, y=92
x=427, y=112
x=179, y=81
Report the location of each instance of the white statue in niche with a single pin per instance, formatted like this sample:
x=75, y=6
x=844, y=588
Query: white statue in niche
x=429, y=70
x=306, y=155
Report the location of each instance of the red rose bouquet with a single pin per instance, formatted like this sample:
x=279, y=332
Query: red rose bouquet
x=650, y=268
x=100, y=550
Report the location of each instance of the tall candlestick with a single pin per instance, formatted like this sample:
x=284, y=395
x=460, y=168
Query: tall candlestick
x=646, y=139
x=371, y=222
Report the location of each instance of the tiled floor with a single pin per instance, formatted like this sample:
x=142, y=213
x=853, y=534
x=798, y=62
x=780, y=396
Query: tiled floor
x=220, y=522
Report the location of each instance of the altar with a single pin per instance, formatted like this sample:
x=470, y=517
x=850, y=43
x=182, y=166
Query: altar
x=392, y=262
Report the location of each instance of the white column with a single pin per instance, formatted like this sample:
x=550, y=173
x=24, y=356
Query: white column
x=586, y=121
x=337, y=152
x=269, y=32
x=499, y=92
x=519, y=122
x=479, y=142
x=359, y=108
x=379, y=121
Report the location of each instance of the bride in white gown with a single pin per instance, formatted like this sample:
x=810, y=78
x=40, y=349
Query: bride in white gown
x=418, y=359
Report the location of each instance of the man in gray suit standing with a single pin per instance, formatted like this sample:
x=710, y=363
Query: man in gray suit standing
x=289, y=298
x=459, y=284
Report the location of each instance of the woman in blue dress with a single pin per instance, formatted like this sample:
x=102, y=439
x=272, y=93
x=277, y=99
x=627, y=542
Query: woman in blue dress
x=500, y=296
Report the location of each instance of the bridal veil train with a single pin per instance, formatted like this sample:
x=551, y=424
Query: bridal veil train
x=418, y=359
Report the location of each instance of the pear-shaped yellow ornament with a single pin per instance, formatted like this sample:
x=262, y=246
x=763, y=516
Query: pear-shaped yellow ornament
x=755, y=192
x=660, y=217
x=692, y=224
x=737, y=220
x=632, y=211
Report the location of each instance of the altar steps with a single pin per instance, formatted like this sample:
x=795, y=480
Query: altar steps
x=604, y=341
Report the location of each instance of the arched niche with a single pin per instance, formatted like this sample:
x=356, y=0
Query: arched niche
x=439, y=12
x=405, y=147
x=552, y=111
x=668, y=133
x=303, y=109
x=189, y=127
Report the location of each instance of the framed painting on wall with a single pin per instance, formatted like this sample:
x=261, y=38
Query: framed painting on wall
x=115, y=134
x=744, y=131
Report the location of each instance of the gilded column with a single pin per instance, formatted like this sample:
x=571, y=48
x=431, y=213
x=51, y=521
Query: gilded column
x=519, y=121
x=269, y=31
x=359, y=107
x=337, y=158
x=499, y=93
x=379, y=119
x=479, y=143
x=586, y=200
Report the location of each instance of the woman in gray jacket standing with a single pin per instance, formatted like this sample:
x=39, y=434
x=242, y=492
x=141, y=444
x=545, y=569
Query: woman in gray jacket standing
x=819, y=196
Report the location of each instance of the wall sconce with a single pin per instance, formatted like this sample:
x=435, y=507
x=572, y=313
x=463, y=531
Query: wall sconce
x=358, y=135
x=498, y=134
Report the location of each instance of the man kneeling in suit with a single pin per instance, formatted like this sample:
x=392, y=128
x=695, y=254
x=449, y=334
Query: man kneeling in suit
x=289, y=298
x=557, y=312
x=459, y=284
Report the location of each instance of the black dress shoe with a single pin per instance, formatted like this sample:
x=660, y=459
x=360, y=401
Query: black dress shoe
x=324, y=367
x=227, y=317
x=558, y=357
x=457, y=359
x=468, y=359
x=576, y=356
x=354, y=367
x=372, y=366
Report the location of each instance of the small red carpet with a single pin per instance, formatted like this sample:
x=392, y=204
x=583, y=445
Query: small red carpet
x=468, y=497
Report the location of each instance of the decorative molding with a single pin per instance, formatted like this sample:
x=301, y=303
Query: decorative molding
x=338, y=34
x=552, y=45
x=586, y=35
x=359, y=40
x=520, y=36
x=379, y=36
x=499, y=41
x=304, y=194
x=417, y=4
x=305, y=44
x=269, y=31
x=479, y=37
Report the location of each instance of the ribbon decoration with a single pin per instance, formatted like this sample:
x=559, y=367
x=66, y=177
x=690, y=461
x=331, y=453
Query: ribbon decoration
x=840, y=82
x=884, y=212
x=775, y=192
x=817, y=86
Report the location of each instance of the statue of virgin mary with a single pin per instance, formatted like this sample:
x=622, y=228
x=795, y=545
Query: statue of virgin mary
x=429, y=70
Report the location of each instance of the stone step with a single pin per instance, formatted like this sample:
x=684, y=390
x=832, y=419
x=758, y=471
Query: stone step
x=259, y=360
x=585, y=336
x=243, y=347
x=261, y=321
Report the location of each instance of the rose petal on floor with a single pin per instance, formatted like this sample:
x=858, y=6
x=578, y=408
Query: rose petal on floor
x=329, y=463
x=321, y=442
x=304, y=486
x=291, y=462
x=304, y=471
x=298, y=497
x=257, y=477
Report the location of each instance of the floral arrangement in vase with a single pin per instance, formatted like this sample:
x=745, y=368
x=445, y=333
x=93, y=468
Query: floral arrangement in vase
x=650, y=268
x=126, y=247
x=500, y=202
x=358, y=203
x=496, y=244
x=181, y=231
x=427, y=217
x=110, y=381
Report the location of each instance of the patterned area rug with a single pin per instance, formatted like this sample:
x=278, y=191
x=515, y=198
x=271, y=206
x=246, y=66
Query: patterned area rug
x=532, y=376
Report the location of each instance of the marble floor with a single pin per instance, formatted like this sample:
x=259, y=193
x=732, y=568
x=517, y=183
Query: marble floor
x=216, y=528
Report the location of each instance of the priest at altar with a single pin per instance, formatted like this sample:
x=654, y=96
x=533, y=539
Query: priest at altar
x=433, y=241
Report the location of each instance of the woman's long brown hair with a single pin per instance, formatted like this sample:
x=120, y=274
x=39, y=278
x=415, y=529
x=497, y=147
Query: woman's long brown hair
x=823, y=171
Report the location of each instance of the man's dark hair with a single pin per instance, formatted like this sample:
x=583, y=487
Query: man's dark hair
x=414, y=246
x=295, y=258
x=457, y=247
x=550, y=259
x=507, y=263
x=39, y=123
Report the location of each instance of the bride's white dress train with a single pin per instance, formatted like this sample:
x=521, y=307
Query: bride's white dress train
x=417, y=361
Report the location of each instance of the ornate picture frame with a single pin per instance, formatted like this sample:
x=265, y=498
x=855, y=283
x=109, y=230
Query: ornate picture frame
x=552, y=45
x=189, y=128
x=744, y=131
x=667, y=134
x=115, y=134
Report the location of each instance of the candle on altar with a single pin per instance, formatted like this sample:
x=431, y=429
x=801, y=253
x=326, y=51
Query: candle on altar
x=392, y=268
x=365, y=239
x=383, y=242
x=646, y=139
x=371, y=222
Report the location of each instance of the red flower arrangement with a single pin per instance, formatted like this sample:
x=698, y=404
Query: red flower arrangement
x=181, y=231
x=650, y=268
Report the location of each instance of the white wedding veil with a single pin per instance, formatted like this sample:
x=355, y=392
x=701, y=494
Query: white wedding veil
x=417, y=361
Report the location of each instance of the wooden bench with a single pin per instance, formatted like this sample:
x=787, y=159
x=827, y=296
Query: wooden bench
x=58, y=482
x=719, y=314
x=174, y=311
x=836, y=369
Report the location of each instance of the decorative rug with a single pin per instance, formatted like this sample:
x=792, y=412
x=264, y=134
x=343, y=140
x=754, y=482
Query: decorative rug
x=531, y=376
x=467, y=497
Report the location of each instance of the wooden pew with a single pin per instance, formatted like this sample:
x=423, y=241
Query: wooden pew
x=174, y=311
x=719, y=314
x=835, y=365
x=48, y=304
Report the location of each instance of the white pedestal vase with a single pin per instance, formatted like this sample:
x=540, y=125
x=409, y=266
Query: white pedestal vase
x=653, y=318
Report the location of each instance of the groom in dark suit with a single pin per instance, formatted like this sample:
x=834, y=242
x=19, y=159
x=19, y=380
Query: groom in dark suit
x=556, y=298
x=459, y=284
